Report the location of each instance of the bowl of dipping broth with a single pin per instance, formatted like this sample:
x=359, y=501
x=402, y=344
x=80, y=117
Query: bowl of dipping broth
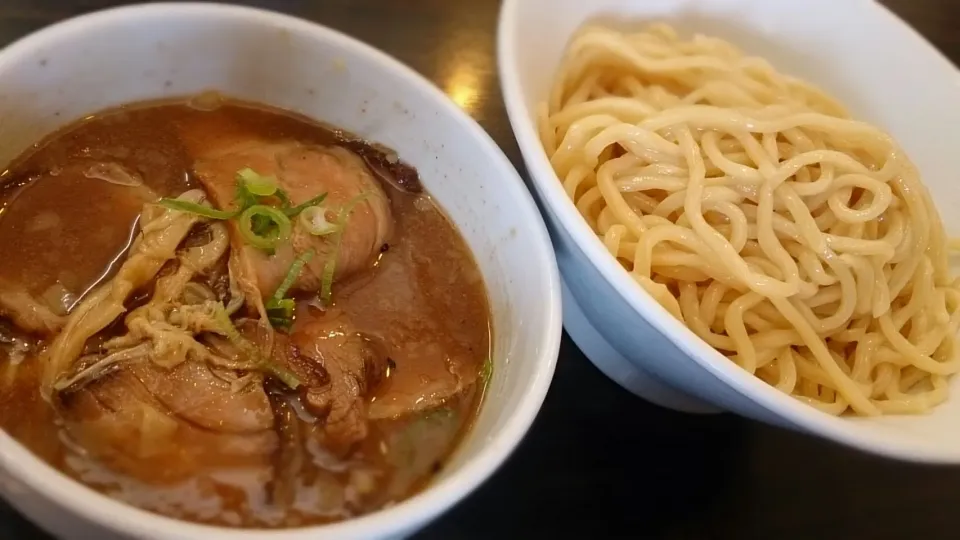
x=262, y=281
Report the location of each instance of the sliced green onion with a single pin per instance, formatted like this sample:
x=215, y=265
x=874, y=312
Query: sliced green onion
x=326, y=280
x=284, y=199
x=292, y=274
x=256, y=233
x=244, y=199
x=287, y=305
x=279, y=309
x=252, y=186
x=280, y=314
x=261, y=225
x=292, y=212
x=256, y=183
x=281, y=373
x=314, y=220
x=194, y=208
x=226, y=326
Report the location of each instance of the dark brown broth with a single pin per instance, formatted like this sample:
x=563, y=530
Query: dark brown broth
x=424, y=298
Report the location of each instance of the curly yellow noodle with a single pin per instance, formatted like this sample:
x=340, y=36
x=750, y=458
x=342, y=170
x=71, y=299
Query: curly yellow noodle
x=798, y=242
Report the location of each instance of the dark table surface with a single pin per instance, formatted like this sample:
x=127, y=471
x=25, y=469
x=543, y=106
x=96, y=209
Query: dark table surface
x=598, y=462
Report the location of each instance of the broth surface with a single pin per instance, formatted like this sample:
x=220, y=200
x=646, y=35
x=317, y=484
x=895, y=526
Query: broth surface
x=63, y=232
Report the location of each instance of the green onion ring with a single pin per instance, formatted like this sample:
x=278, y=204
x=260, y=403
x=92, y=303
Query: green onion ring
x=256, y=183
x=277, y=217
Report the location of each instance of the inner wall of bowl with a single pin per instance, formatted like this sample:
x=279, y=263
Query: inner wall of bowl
x=879, y=68
x=297, y=66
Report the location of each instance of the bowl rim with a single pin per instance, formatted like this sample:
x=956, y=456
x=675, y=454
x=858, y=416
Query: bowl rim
x=411, y=513
x=556, y=201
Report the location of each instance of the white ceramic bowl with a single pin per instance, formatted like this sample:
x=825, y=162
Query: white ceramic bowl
x=856, y=50
x=109, y=58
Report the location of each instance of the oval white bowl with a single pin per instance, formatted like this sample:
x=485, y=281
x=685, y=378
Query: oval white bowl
x=856, y=50
x=117, y=56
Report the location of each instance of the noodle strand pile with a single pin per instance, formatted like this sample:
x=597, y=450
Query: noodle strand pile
x=799, y=243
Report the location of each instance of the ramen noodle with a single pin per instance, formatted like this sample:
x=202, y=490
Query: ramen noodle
x=798, y=242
